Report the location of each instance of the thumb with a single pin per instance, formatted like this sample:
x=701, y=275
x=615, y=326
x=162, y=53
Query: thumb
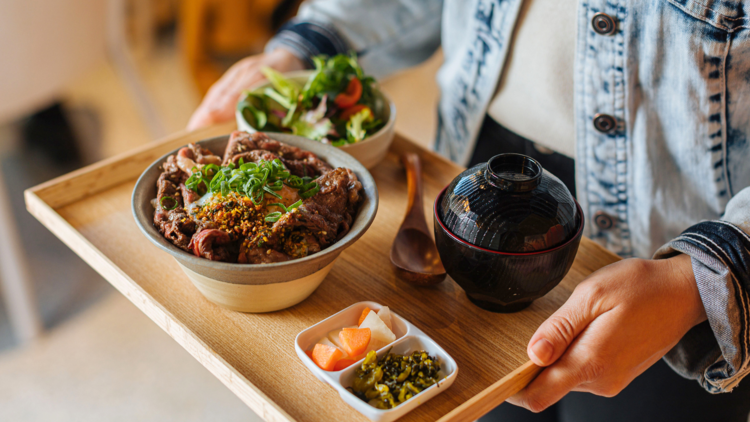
x=554, y=336
x=208, y=113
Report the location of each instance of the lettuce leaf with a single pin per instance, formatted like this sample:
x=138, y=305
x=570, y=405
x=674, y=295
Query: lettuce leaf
x=288, y=89
x=251, y=107
x=313, y=124
x=331, y=76
x=315, y=131
x=282, y=100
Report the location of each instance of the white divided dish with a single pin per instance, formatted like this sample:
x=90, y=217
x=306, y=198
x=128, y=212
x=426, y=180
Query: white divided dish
x=408, y=339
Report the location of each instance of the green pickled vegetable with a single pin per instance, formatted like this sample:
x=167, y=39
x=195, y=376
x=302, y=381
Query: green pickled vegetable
x=395, y=379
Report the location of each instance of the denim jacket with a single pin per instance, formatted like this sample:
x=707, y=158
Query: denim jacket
x=664, y=164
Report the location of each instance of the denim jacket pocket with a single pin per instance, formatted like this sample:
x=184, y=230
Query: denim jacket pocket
x=728, y=15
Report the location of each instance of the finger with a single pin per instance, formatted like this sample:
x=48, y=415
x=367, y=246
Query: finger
x=551, y=385
x=554, y=336
x=200, y=118
x=214, y=109
x=611, y=383
x=220, y=101
x=575, y=370
x=204, y=115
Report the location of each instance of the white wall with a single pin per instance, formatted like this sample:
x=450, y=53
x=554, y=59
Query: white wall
x=44, y=44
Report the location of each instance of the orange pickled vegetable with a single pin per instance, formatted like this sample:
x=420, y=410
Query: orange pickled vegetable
x=326, y=356
x=355, y=340
x=343, y=364
x=363, y=316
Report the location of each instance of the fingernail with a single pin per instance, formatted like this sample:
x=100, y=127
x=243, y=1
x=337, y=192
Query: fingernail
x=543, y=351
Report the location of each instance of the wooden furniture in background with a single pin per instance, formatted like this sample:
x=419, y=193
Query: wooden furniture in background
x=253, y=354
x=215, y=33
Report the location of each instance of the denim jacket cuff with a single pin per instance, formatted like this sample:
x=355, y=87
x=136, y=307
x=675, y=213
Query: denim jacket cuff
x=307, y=39
x=716, y=353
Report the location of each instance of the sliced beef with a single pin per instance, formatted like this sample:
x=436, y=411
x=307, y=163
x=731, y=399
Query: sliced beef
x=193, y=156
x=301, y=244
x=251, y=253
x=313, y=226
x=203, y=155
x=340, y=192
x=321, y=220
x=254, y=156
x=168, y=191
x=170, y=217
x=211, y=244
x=299, y=162
x=188, y=196
x=174, y=173
x=312, y=167
x=176, y=226
x=329, y=214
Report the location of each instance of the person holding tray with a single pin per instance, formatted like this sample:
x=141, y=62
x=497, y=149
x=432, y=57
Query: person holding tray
x=642, y=109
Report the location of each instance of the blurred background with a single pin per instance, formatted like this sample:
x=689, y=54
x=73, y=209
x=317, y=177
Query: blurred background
x=82, y=80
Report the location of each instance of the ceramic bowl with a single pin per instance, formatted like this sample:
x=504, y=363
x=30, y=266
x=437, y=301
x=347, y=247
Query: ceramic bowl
x=258, y=287
x=408, y=339
x=370, y=151
x=501, y=281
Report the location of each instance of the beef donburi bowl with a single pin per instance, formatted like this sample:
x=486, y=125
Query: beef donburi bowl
x=256, y=221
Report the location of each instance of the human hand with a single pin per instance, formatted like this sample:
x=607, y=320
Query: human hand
x=617, y=323
x=219, y=103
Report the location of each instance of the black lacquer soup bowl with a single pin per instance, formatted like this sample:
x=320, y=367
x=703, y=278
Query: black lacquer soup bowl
x=507, y=232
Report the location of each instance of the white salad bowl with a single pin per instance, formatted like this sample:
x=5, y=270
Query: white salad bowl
x=369, y=151
x=408, y=339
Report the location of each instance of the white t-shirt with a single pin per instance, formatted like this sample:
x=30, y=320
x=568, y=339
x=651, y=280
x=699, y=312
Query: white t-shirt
x=535, y=95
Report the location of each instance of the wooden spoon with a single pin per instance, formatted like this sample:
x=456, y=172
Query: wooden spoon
x=414, y=254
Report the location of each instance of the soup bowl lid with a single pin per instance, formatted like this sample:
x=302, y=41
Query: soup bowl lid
x=509, y=204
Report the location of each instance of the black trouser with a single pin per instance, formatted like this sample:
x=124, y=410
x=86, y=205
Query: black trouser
x=495, y=139
x=659, y=394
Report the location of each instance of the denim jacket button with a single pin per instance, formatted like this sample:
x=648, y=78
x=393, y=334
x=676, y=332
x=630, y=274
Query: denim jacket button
x=605, y=123
x=604, y=24
x=603, y=220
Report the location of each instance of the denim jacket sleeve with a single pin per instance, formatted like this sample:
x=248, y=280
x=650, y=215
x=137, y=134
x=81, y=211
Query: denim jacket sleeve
x=388, y=35
x=716, y=353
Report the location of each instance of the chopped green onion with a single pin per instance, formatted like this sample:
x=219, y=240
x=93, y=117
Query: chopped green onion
x=210, y=170
x=309, y=190
x=253, y=180
x=161, y=202
x=269, y=190
x=294, y=182
x=224, y=188
x=273, y=217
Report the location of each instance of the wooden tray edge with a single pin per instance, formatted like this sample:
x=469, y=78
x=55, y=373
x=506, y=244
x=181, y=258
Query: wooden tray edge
x=112, y=171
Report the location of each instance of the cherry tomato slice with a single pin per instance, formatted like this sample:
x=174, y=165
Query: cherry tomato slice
x=352, y=94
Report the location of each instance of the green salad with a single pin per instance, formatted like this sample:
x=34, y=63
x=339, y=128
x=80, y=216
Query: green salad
x=337, y=105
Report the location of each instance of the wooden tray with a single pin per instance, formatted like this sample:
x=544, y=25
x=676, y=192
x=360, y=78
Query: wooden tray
x=253, y=354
